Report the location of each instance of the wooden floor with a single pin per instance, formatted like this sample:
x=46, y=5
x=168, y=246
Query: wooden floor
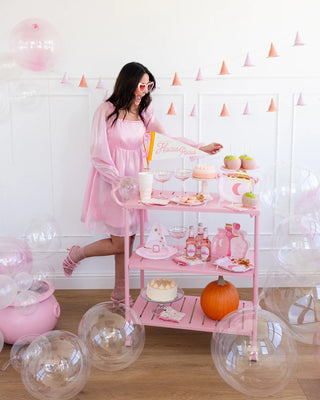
x=175, y=364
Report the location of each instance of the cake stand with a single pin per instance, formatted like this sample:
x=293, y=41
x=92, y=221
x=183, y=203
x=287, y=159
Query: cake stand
x=161, y=304
x=204, y=186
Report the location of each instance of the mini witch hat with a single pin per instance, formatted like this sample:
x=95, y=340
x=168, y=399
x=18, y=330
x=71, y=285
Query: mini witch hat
x=83, y=82
x=176, y=80
x=272, y=106
x=171, y=110
x=224, y=111
x=224, y=70
x=272, y=51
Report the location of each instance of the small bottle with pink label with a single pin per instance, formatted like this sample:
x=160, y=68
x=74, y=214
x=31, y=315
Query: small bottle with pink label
x=205, y=247
x=191, y=244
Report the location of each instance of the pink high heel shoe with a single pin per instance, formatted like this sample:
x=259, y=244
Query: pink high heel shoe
x=68, y=264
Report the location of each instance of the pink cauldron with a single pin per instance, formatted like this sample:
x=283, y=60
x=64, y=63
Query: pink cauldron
x=14, y=324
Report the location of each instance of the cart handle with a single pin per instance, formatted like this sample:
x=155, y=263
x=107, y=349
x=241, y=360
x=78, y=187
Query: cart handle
x=115, y=197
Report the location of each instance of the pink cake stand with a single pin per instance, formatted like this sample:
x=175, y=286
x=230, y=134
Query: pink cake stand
x=204, y=187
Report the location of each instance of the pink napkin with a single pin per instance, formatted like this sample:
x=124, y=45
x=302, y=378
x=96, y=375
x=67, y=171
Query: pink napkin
x=170, y=314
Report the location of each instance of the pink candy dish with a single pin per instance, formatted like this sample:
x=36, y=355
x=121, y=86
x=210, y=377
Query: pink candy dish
x=15, y=324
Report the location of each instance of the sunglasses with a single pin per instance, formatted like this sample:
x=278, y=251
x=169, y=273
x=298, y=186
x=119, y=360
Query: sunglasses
x=143, y=86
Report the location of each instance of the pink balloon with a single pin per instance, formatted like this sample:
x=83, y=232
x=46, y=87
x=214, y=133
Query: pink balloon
x=35, y=44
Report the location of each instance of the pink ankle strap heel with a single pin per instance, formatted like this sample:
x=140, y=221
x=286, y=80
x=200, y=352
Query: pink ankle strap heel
x=68, y=264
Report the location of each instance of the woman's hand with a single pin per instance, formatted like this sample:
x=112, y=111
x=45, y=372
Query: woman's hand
x=211, y=148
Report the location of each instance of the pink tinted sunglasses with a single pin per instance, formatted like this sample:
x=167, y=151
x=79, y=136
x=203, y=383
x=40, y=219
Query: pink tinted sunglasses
x=143, y=86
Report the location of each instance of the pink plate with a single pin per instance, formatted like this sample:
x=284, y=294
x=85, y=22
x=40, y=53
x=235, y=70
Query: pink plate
x=197, y=203
x=164, y=253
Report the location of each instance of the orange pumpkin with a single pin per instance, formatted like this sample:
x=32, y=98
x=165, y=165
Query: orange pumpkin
x=219, y=298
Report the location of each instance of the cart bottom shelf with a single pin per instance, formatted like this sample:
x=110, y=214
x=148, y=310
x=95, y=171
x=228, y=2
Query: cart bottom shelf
x=194, y=318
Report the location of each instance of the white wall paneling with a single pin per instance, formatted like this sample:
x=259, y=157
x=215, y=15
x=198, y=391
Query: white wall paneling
x=45, y=154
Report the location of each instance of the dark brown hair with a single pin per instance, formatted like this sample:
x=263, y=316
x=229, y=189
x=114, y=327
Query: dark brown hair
x=125, y=87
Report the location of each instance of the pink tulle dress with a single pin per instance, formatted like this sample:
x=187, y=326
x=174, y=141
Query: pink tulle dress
x=116, y=151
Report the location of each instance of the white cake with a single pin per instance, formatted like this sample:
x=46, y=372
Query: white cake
x=204, y=171
x=162, y=289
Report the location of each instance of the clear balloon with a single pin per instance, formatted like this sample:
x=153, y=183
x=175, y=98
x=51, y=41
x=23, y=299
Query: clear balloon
x=254, y=352
x=15, y=256
x=293, y=294
x=26, y=302
x=18, y=351
x=42, y=269
x=290, y=189
x=297, y=240
x=42, y=234
x=8, y=291
x=23, y=280
x=114, y=335
x=26, y=95
x=55, y=365
x=128, y=187
x=316, y=346
x=35, y=44
x=4, y=101
x=1, y=341
x=9, y=69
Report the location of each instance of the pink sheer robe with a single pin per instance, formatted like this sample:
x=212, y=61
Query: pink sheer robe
x=116, y=151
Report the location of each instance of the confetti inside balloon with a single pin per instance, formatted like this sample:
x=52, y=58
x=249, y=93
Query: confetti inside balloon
x=35, y=44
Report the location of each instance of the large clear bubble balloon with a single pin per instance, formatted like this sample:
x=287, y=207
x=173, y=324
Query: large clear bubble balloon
x=18, y=351
x=43, y=234
x=8, y=291
x=316, y=346
x=9, y=69
x=297, y=240
x=290, y=189
x=55, y=365
x=15, y=256
x=1, y=341
x=26, y=95
x=23, y=280
x=128, y=187
x=254, y=352
x=293, y=294
x=113, y=334
x=35, y=44
x=4, y=101
x=26, y=302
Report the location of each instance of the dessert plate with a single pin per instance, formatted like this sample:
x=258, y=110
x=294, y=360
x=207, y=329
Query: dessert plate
x=177, y=200
x=164, y=253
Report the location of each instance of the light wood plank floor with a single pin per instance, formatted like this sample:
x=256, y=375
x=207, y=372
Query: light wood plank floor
x=175, y=364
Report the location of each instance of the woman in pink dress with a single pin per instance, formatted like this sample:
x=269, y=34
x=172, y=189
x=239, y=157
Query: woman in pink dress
x=118, y=128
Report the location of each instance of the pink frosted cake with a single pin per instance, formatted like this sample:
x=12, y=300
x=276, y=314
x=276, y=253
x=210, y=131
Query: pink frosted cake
x=204, y=171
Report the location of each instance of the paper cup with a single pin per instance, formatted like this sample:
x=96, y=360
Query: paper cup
x=145, y=185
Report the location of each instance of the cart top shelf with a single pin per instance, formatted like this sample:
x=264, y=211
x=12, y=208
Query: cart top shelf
x=215, y=205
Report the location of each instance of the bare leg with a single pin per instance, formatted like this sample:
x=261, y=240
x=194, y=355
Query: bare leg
x=104, y=247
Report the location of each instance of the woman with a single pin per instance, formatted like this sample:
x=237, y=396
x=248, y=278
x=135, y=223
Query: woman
x=118, y=129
